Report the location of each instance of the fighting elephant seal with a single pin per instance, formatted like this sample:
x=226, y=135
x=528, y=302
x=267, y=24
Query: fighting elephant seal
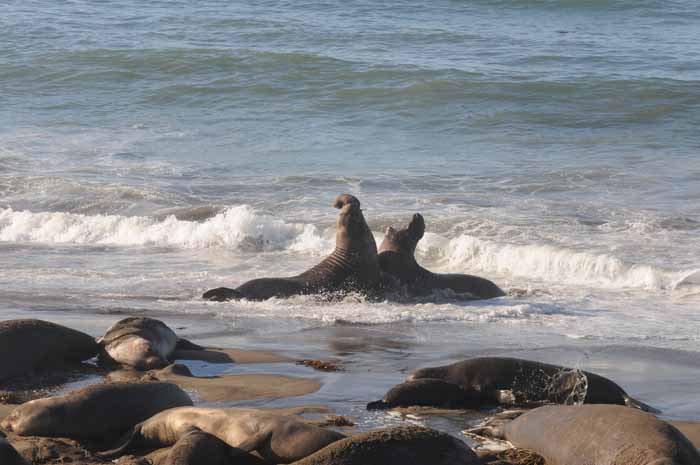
x=353, y=265
x=530, y=381
x=142, y=343
x=397, y=258
x=37, y=344
x=395, y=446
x=94, y=411
x=277, y=438
x=597, y=434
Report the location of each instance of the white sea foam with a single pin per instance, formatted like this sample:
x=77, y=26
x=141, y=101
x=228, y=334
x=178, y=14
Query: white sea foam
x=236, y=227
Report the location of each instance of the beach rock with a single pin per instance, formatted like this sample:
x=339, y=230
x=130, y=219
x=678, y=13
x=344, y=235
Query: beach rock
x=395, y=446
x=38, y=345
x=94, y=411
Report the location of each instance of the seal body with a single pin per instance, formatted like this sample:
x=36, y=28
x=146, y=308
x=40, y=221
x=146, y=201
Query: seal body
x=37, y=344
x=197, y=447
x=397, y=258
x=277, y=438
x=94, y=411
x=395, y=446
x=530, y=381
x=428, y=392
x=352, y=266
x=600, y=435
x=138, y=342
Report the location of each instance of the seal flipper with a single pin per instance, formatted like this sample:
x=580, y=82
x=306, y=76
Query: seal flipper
x=126, y=442
x=634, y=403
x=221, y=294
x=184, y=344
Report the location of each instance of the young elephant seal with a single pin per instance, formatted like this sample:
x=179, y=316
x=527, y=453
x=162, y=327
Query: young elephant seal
x=353, y=265
x=277, y=438
x=395, y=446
x=397, y=258
x=430, y=393
x=37, y=344
x=530, y=381
x=598, y=434
x=94, y=411
x=140, y=342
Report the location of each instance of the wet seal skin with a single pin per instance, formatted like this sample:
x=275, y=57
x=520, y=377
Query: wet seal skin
x=397, y=258
x=277, y=438
x=395, y=446
x=38, y=345
x=120, y=406
x=530, y=381
x=599, y=434
x=141, y=343
x=353, y=266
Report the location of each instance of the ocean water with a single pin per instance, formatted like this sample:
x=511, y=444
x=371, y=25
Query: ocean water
x=151, y=151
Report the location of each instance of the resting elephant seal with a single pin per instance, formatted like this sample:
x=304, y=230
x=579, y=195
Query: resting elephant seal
x=277, y=438
x=431, y=393
x=530, y=381
x=37, y=344
x=140, y=342
x=353, y=265
x=197, y=447
x=94, y=411
x=413, y=445
x=597, y=434
x=397, y=258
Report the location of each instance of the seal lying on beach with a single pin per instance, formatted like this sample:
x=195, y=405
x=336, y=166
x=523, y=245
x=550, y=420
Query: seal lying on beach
x=37, y=344
x=395, y=446
x=142, y=343
x=94, y=411
x=496, y=380
x=597, y=434
x=353, y=265
x=277, y=438
x=397, y=258
x=197, y=447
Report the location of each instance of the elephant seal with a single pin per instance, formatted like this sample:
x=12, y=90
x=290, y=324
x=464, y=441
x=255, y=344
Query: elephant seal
x=530, y=381
x=431, y=393
x=353, y=265
x=197, y=447
x=597, y=434
x=397, y=258
x=94, y=411
x=395, y=446
x=37, y=344
x=8, y=454
x=142, y=343
x=277, y=438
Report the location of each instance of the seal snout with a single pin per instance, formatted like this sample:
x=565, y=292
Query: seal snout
x=346, y=199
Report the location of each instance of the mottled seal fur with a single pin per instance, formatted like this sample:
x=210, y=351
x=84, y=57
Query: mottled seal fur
x=37, y=344
x=353, y=265
x=397, y=258
x=395, y=446
x=530, y=381
x=598, y=434
x=277, y=438
x=140, y=342
x=94, y=411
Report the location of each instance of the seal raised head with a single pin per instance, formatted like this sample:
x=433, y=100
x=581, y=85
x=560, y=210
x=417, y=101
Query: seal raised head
x=397, y=258
x=352, y=266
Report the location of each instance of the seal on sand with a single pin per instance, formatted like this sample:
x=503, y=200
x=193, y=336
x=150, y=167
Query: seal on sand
x=353, y=265
x=599, y=434
x=397, y=258
x=431, y=393
x=37, y=344
x=530, y=381
x=120, y=406
x=140, y=342
x=277, y=438
x=395, y=446
x=8, y=454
